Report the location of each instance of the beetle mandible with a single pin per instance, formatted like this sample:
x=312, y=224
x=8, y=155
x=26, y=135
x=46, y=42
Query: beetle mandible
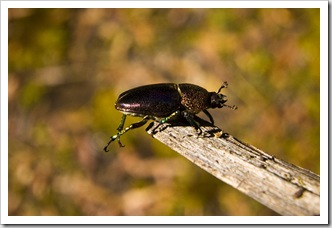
x=161, y=102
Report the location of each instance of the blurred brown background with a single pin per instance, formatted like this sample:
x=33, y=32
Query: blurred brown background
x=67, y=67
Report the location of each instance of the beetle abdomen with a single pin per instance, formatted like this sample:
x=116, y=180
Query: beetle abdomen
x=158, y=100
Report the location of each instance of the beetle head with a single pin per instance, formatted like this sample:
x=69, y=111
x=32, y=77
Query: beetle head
x=218, y=100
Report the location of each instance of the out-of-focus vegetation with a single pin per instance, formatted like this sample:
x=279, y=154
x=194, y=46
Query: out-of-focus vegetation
x=67, y=67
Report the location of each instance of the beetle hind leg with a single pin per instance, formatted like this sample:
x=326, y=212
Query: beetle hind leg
x=121, y=131
x=111, y=140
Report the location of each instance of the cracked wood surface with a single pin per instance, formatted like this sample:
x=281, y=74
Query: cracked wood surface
x=285, y=188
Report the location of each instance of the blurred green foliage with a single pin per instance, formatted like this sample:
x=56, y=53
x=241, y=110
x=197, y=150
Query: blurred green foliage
x=67, y=67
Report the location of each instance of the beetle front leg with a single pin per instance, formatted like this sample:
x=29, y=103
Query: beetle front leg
x=209, y=115
x=122, y=131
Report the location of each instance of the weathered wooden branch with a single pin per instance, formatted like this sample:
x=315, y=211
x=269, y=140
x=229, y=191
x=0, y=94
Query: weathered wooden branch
x=283, y=187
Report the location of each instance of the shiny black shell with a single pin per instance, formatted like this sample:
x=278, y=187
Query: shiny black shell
x=157, y=100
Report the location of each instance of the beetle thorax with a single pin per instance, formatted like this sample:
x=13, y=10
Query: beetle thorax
x=194, y=98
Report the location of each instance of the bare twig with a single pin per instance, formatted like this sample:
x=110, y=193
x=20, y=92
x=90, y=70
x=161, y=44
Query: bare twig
x=283, y=187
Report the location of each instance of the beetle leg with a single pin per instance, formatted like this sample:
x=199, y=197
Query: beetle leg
x=164, y=120
x=111, y=140
x=192, y=122
x=123, y=119
x=122, y=131
x=136, y=125
x=209, y=115
x=120, y=128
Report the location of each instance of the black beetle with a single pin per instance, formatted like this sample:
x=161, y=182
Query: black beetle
x=163, y=101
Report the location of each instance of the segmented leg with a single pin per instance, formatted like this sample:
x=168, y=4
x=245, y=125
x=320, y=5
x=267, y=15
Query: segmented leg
x=123, y=119
x=121, y=131
x=189, y=117
x=164, y=120
x=120, y=128
x=209, y=115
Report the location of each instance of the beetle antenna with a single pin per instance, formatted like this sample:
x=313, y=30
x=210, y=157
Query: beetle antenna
x=234, y=107
x=224, y=85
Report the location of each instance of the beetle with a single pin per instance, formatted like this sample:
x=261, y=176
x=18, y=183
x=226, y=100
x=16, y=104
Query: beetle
x=161, y=102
